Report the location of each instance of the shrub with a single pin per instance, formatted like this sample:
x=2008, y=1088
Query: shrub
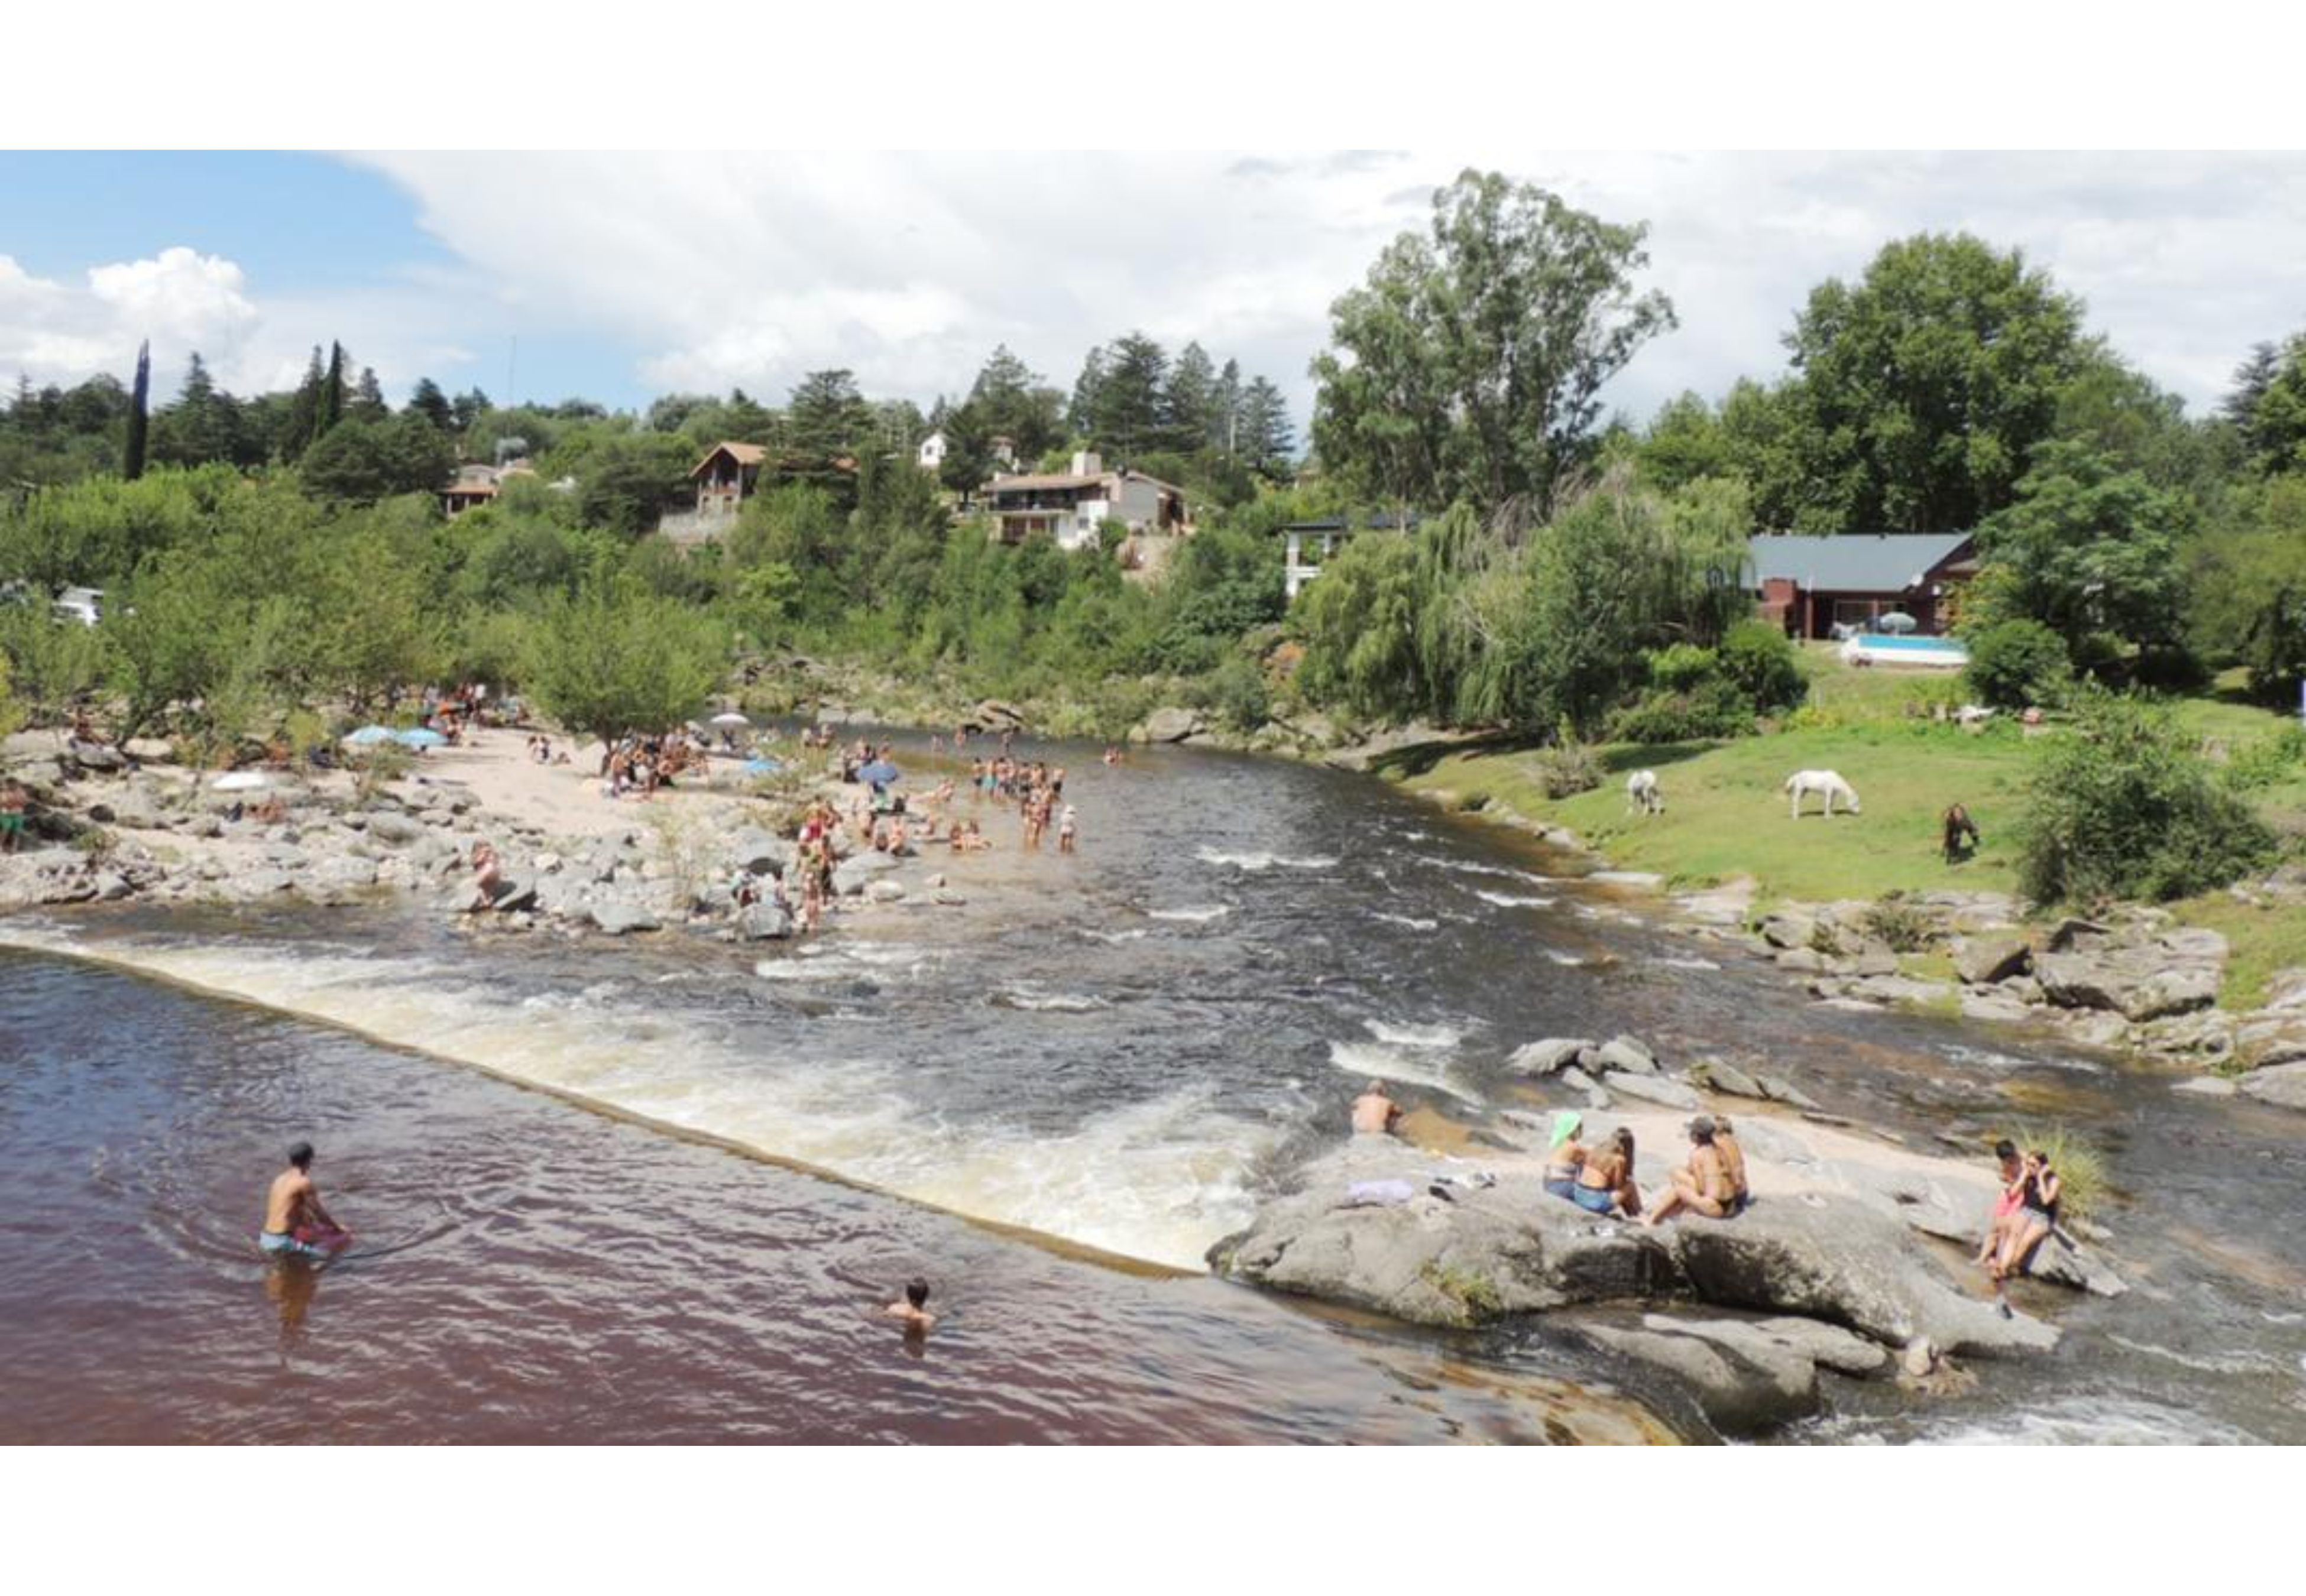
x=2268, y=760
x=2016, y=663
x=1237, y=695
x=1715, y=709
x=1568, y=768
x=1906, y=926
x=1684, y=668
x=1764, y=664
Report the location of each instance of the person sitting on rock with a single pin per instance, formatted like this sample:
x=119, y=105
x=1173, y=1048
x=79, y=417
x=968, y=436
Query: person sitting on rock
x=2005, y=1202
x=1564, y=1155
x=488, y=875
x=1703, y=1185
x=2039, y=1189
x=1605, y=1178
x=1374, y=1113
x=1733, y=1163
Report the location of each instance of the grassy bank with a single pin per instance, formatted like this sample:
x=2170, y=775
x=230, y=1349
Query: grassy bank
x=1726, y=815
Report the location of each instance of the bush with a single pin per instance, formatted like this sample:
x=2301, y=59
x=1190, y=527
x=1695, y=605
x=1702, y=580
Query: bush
x=2268, y=760
x=2016, y=663
x=2124, y=807
x=1764, y=664
x=1568, y=768
x=1907, y=927
x=1715, y=709
x=1684, y=668
x=1236, y=693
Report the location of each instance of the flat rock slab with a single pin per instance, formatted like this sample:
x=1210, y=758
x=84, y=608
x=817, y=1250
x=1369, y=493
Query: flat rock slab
x=2282, y=1085
x=1548, y=1055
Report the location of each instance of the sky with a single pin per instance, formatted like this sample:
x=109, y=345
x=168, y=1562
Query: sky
x=618, y=277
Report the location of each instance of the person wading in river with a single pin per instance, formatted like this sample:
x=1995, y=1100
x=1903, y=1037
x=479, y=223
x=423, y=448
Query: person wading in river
x=1374, y=1113
x=296, y=1223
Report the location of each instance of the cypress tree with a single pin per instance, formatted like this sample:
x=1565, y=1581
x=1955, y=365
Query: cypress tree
x=140, y=416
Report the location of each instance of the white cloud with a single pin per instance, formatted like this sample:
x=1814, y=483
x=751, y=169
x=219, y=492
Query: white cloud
x=708, y=271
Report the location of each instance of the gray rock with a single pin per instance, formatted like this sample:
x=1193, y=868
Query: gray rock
x=1736, y=1393
x=884, y=891
x=391, y=827
x=1828, y=1346
x=1577, y=1079
x=1665, y=1092
x=763, y=922
x=756, y=852
x=1902, y=990
x=850, y=875
x=1982, y=960
x=111, y=887
x=515, y=895
x=1511, y=1248
x=2271, y=1037
x=2285, y=992
x=1804, y=962
x=618, y=919
x=1994, y=1006
x=1781, y=1090
x=2174, y=972
x=1718, y=1075
x=251, y=885
x=1788, y=929
x=2208, y=1086
x=1548, y=1055
x=2282, y=1085
x=2094, y=1028
x=1170, y=725
x=1622, y=1055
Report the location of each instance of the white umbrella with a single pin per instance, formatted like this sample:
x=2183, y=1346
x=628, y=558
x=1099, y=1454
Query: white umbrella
x=731, y=718
x=240, y=781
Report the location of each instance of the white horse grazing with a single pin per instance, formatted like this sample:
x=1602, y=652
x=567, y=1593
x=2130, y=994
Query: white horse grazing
x=1643, y=793
x=1828, y=784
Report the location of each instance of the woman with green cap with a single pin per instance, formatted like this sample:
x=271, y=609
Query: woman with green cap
x=1564, y=1155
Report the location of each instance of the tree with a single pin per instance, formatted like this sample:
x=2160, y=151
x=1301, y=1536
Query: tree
x=1263, y=438
x=1921, y=394
x=139, y=406
x=628, y=481
x=2248, y=576
x=303, y=423
x=329, y=407
x=427, y=400
x=1089, y=388
x=827, y=418
x=366, y=402
x=2086, y=549
x=202, y=425
x=1189, y=402
x=2268, y=405
x=1470, y=365
x=616, y=660
x=2017, y=664
x=360, y=461
x=469, y=406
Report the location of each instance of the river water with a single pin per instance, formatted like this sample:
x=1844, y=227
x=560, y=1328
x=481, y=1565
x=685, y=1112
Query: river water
x=1051, y=1101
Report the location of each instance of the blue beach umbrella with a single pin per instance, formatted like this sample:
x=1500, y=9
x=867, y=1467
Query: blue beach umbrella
x=879, y=773
x=419, y=737
x=369, y=736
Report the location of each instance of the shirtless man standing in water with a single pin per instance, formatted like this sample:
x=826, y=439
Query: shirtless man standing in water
x=296, y=1223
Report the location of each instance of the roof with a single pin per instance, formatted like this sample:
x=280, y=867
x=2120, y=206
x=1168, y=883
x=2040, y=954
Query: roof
x=1855, y=562
x=1371, y=521
x=744, y=454
x=1028, y=481
x=470, y=489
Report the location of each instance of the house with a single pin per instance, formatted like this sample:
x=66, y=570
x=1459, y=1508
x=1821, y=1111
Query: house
x=725, y=478
x=1072, y=506
x=1811, y=585
x=1324, y=537
x=936, y=446
x=478, y=484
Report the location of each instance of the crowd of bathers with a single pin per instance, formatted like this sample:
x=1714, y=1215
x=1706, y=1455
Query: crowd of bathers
x=639, y=766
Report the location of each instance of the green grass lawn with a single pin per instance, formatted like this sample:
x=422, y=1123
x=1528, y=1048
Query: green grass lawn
x=1727, y=817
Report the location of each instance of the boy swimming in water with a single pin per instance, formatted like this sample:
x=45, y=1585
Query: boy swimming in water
x=296, y=1223
x=914, y=1309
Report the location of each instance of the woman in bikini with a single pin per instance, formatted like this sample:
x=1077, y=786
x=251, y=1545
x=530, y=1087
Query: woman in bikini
x=1565, y=1157
x=1605, y=1180
x=2039, y=1189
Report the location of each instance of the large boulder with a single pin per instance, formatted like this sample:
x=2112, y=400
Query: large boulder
x=1788, y=929
x=755, y=851
x=618, y=919
x=1548, y=1055
x=1170, y=725
x=1660, y=1089
x=1740, y=1386
x=1626, y=1055
x=2168, y=974
x=1718, y=1075
x=850, y=875
x=2282, y=1085
x=1513, y=1248
x=763, y=922
x=1982, y=960
x=388, y=826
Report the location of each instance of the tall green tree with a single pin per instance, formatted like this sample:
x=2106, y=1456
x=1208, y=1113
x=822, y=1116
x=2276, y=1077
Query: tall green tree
x=1922, y=391
x=2268, y=406
x=1189, y=402
x=140, y=416
x=616, y=659
x=1127, y=416
x=1264, y=439
x=1470, y=364
x=2086, y=548
x=203, y=425
x=427, y=400
x=366, y=401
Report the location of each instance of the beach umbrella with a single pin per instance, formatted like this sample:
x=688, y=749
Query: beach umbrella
x=1897, y=622
x=879, y=773
x=731, y=718
x=419, y=737
x=240, y=781
x=368, y=736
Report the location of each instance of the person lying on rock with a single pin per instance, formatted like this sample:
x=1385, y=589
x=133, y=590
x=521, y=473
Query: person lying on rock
x=1565, y=1155
x=2005, y=1202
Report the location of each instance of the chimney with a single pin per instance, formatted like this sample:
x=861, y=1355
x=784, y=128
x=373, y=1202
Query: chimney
x=1086, y=463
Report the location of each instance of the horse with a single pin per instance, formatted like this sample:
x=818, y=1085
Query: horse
x=1828, y=784
x=1960, y=834
x=1643, y=793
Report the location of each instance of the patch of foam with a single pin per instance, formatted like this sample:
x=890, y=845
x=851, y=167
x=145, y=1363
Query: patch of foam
x=1513, y=900
x=2093, y=1420
x=1689, y=963
x=1412, y=921
x=1473, y=867
x=1260, y=861
x=1198, y=916
x=1037, y=1001
x=1567, y=960
x=2237, y=1363
x=1414, y=1035
x=1377, y=1061
x=1120, y=936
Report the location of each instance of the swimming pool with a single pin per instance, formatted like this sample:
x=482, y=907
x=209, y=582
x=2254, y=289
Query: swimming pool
x=1888, y=648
